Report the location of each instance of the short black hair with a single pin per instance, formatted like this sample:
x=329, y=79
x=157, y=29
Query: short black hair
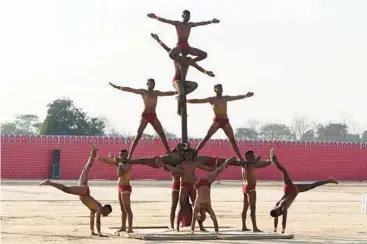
x=217, y=85
x=249, y=152
x=109, y=207
x=150, y=79
x=123, y=151
x=186, y=11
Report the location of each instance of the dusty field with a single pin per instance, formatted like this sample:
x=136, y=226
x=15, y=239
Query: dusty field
x=32, y=214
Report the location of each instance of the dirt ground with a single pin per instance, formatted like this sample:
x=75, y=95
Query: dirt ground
x=33, y=214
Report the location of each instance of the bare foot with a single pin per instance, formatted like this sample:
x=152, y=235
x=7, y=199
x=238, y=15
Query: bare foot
x=203, y=229
x=331, y=180
x=45, y=183
x=245, y=229
x=130, y=231
x=256, y=230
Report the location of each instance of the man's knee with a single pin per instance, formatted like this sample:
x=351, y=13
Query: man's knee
x=203, y=54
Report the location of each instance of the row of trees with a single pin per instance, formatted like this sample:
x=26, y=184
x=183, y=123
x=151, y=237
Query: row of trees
x=64, y=118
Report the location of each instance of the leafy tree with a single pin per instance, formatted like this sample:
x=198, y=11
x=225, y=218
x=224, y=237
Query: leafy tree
x=24, y=124
x=9, y=128
x=364, y=136
x=246, y=134
x=64, y=118
x=276, y=132
x=332, y=132
x=308, y=136
x=300, y=126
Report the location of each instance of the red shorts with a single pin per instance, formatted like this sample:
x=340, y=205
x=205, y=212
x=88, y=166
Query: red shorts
x=150, y=117
x=248, y=188
x=176, y=185
x=188, y=186
x=86, y=193
x=184, y=45
x=291, y=189
x=221, y=121
x=202, y=182
x=125, y=189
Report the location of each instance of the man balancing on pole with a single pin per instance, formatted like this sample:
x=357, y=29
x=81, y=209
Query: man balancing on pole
x=183, y=30
x=291, y=191
x=82, y=190
x=202, y=186
x=182, y=64
x=150, y=97
x=219, y=104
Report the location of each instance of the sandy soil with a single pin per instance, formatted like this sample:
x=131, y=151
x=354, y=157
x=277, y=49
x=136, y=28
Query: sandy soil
x=32, y=214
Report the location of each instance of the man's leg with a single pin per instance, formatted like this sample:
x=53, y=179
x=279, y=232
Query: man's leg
x=157, y=126
x=127, y=206
x=213, y=128
x=252, y=201
x=200, y=54
x=123, y=214
x=244, y=212
x=83, y=180
x=183, y=204
x=286, y=178
x=228, y=130
x=190, y=86
x=143, y=124
x=175, y=52
x=307, y=187
x=175, y=197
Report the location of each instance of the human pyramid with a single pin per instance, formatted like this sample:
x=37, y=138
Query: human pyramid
x=182, y=161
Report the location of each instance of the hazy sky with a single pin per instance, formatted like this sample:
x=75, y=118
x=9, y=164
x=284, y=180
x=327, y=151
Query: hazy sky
x=299, y=57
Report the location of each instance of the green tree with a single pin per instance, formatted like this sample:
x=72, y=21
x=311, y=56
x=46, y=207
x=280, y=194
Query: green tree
x=276, y=131
x=246, y=134
x=64, y=118
x=332, y=132
x=28, y=123
x=364, y=136
x=9, y=128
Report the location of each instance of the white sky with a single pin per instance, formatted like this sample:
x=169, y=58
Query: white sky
x=299, y=57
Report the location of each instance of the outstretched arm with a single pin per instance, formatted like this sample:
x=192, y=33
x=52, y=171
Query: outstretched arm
x=201, y=69
x=143, y=161
x=110, y=160
x=163, y=94
x=239, y=97
x=205, y=167
x=201, y=23
x=156, y=37
x=167, y=21
x=128, y=89
x=255, y=165
x=204, y=100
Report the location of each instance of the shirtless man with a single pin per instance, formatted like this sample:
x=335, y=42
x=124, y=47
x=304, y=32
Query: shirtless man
x=183, y=30
x=150, y=97
x=182, y=64
x=82, y=190
x=219, y=104
x=124, y=174
x=291, y=191
x=189, y=165
x=202, y=187
x=249, y=189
